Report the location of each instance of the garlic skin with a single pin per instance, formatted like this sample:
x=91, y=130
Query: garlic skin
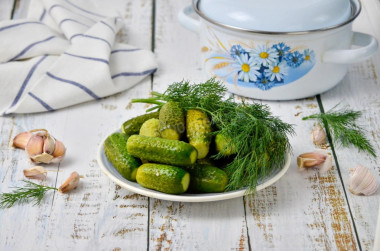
x=40, y=146
x=318, y=135
x=362, y=181
x=36, y=172
x=320, y=159
x=327, y=165
x=70, y=183
x=49, y=144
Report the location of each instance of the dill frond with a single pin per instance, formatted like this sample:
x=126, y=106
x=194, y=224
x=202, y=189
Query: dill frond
x=261, y=141
x=342, y=123
x=32, y=192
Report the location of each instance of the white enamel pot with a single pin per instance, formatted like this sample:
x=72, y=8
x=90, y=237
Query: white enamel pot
x=278, y=65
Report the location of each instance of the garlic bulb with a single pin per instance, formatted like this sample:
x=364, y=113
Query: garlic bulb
x=36, y=172
x=320, y=159
x=362, y=181
x=40, y=146
x=318, y=135
x=70, y=183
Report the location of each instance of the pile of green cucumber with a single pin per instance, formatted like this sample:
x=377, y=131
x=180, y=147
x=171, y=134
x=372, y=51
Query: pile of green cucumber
x=168, y=151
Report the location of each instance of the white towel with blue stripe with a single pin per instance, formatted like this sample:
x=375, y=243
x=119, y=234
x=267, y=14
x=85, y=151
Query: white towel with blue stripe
x=63, y=54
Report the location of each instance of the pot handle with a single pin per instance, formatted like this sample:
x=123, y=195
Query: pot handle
x=184, y=17
x=368, y=47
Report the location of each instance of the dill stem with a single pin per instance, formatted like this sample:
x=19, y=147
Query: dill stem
x=157, y=94
x=152, y=108
x=148, y=101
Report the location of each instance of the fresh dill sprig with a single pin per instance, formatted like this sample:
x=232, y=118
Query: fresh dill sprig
x=342, y=123
x=32, y=192
x=260, y=139
x=186, y=94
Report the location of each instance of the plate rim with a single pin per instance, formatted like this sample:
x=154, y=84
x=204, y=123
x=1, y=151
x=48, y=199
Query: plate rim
x=180, y=198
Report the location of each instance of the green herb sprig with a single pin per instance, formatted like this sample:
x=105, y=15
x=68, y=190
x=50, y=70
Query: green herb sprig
x=260, y=139
x=187, y=95
x=32, y=192
x=342, y=123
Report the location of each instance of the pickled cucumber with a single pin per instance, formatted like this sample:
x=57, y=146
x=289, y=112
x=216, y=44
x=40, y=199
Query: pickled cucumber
x=163, y=178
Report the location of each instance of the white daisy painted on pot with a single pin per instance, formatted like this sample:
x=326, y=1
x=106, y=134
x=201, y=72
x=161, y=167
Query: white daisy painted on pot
x=246, y=67
x=309, y=56
x=262, y=66
x=277, y=72
x=264, y=55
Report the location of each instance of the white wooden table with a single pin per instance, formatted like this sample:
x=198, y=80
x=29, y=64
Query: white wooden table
x=302, y=211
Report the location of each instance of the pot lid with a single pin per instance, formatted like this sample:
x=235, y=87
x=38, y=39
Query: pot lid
x=278, y=15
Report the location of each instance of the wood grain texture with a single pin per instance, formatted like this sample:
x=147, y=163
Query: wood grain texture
x=98, y=215
x=304, y=210
x=6, y=7
x=360, y=90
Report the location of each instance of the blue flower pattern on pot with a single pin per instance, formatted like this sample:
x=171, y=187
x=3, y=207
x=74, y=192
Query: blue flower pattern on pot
x=236, y=51
x=282, y=49
x=265, y=66
x=294, y=59
x=264, y=83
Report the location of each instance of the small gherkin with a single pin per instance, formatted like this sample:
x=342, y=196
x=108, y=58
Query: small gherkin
x=150, y=128
x=198, y=130
x=172, y=121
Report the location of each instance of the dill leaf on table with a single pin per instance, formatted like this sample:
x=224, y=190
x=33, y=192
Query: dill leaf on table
x=32, y=192
x=260, y=139
x=342, y=123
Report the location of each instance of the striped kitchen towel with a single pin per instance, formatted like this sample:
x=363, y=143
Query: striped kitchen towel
x=63, y=54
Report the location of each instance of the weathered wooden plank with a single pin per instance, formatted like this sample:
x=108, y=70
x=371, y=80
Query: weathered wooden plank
x=303, y=210
x=6, y=7
x=98, y=215
x=360, y=91
x=13, y=161
x=188, y=226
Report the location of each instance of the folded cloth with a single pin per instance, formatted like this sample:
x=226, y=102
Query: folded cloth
x=64, y=54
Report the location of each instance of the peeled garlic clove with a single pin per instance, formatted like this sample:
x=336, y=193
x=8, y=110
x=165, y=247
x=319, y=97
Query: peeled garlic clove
x=311, y=159
x=70, y=183
x=362, y=181
x=34, y=146
x=318, y=135
x=21, y=140
x=36, y=172
x=49, y=145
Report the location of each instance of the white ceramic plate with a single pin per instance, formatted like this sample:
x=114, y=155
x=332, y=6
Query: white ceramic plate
x=115, y=176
